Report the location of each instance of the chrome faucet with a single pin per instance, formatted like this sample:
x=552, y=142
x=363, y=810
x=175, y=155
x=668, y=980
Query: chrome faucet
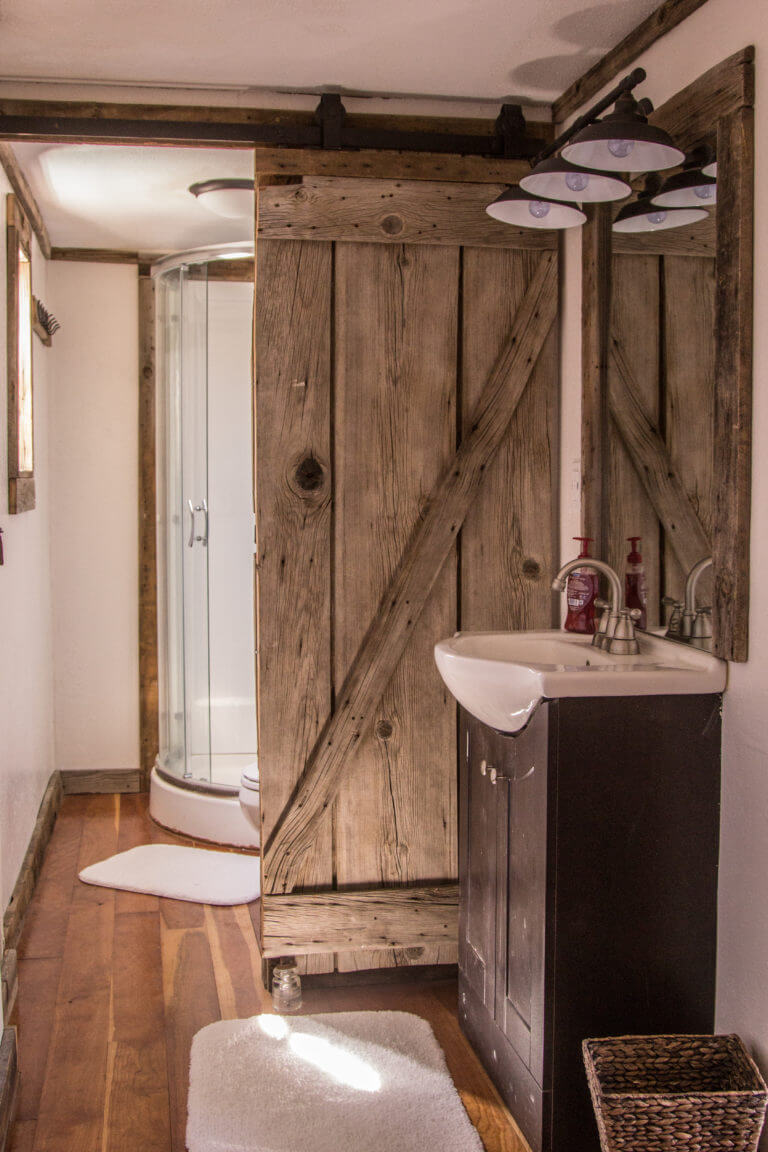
x=696, y=623
x=616, y=631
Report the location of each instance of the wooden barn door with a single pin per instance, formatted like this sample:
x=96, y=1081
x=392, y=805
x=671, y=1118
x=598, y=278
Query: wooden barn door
x=371, y=357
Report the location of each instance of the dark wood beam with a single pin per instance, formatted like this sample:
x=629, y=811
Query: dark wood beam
x=18, y=182
x=663, y=20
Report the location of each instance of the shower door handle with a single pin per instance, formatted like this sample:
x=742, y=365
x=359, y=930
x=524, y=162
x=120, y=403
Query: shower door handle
x=193, y=508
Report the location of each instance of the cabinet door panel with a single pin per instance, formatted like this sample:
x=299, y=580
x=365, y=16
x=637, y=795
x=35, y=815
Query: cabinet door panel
x=478, y=869
x=521, y=932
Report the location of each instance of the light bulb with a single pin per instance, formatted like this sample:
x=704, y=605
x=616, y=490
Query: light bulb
x=538, y=209
x=620, y=148
x=656, y=217
x=577, y=181
x=704, y=191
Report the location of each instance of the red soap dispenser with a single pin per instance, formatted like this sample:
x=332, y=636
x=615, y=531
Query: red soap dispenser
x=634, y=582
x=581, y=592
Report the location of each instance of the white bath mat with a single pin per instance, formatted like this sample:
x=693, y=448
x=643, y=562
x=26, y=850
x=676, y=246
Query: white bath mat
x=181, y=873
x=339, y=1082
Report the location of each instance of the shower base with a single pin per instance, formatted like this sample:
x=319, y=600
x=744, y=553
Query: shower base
x=200, y=815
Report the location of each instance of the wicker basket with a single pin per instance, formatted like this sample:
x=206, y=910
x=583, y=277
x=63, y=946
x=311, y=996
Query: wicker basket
x=664, y=1093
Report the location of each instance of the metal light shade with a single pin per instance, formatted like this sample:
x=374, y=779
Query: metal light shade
x=642, y=215
x=227, y=197
x=689, y=188
x=710, y=169
x=558, y=179
x=623, y=141
x=514, y=206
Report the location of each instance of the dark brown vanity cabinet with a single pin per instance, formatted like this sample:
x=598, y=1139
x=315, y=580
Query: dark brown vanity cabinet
x=588, y=870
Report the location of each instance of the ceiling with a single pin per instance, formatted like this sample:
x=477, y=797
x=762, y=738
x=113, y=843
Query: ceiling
x=105, y=196
x=109, y=196
x=477, y=49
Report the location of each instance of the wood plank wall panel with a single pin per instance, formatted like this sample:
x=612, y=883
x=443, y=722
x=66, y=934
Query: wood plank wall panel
x=635, y=326
x=396, y=309
x=689, y=327
x=294, y=486
x=509, y=538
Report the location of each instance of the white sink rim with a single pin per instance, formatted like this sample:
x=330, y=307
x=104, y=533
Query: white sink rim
x=493, y=674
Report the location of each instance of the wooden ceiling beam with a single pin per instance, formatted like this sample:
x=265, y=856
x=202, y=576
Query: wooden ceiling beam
x=25, y=195
x=666, y=17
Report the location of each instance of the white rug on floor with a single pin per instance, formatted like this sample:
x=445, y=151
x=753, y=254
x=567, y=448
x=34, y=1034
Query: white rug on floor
x=338, y=1082
x=181, y=873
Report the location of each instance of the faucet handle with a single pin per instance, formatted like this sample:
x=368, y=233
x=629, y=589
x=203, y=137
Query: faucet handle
x=602, y=604
x=633, y=613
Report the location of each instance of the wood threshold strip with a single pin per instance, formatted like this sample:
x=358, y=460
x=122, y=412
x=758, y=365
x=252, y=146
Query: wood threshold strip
x=18, y=182
x=666, y=17
x=409, y=589
x=33, y=861
x=654, y=466
x=382, y=918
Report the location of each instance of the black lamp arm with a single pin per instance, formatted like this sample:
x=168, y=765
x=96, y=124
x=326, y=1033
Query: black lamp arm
x=626, y=85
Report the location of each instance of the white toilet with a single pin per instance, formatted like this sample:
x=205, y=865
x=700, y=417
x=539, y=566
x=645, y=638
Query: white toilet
x=249, y=797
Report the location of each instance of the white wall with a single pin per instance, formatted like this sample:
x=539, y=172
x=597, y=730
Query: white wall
x=26, y=682
x=713, y=32
x=94, y=515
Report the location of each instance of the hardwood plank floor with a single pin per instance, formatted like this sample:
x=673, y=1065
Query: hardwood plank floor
x=113, y=986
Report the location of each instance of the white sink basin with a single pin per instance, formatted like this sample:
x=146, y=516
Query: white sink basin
x=500, y=677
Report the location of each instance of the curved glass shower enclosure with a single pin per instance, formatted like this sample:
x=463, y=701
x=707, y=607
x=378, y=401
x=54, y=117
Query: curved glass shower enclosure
x=205, y=517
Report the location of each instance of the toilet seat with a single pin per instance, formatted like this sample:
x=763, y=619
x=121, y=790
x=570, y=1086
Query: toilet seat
x=250, y=778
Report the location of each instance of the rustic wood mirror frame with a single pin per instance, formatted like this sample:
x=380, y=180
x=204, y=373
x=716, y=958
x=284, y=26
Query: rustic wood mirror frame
x=21, y=479
x=716, y=109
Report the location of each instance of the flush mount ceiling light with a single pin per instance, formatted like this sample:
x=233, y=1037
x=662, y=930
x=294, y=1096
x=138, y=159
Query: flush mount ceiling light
x=514, y=206
x=690, y=188
x=624, y=141
x=643, y=215
x=227, y=197
x=557, y=179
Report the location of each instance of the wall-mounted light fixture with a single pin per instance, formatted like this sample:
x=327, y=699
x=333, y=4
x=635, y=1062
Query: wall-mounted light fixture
x=587, y=164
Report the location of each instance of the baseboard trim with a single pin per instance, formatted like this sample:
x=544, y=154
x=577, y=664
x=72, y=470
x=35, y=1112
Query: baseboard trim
x=77, y=781
x=33, y=861
x=402, y=974
x=9, y=1085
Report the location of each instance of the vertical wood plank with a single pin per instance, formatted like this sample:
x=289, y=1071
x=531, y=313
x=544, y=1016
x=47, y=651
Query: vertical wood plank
x=396, y=310
x=293, y=490
x=73, y=1098
x=148, y=686
x=138, y=1112
x=635, y=318
x=595, y=333
x=733, y=372
x=689, y=330
x=509, y=538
